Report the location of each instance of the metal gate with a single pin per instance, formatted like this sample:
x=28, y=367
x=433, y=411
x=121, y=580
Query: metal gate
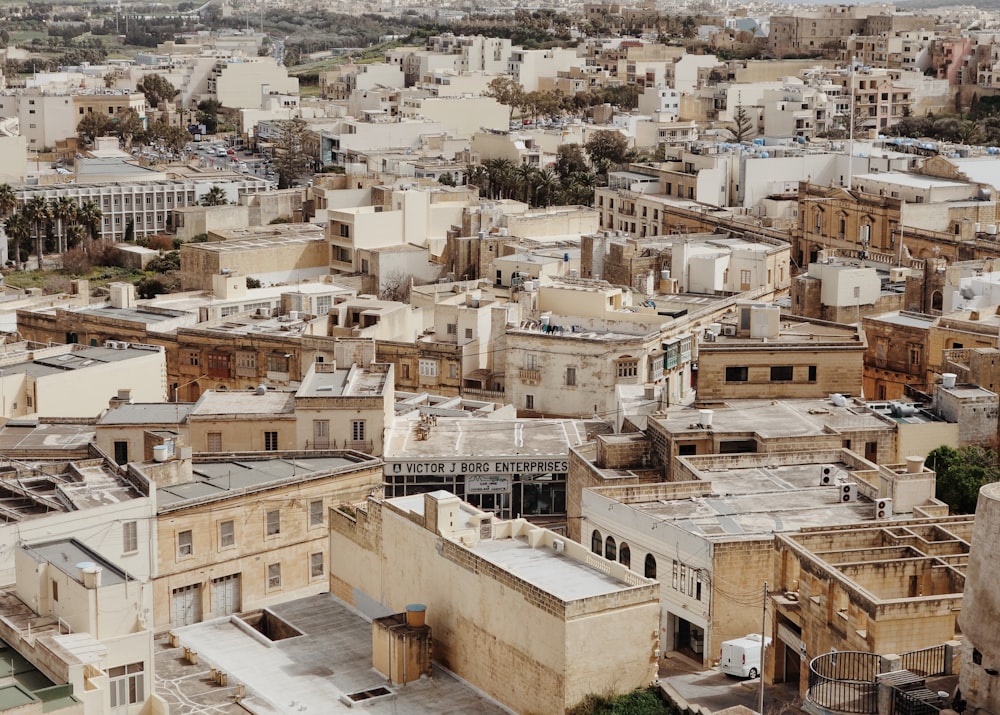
x=186, y=603
x=226, y=595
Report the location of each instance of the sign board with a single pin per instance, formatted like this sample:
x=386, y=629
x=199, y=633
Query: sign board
x=473, y=466
x=492, y=484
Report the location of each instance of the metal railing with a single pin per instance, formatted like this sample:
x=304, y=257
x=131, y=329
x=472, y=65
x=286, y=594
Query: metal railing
x=925, y=662
x=844, y=682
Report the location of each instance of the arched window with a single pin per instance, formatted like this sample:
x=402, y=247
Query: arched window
x=596, y=542
x=625, y=556
x=650, y=570
x=610, y=549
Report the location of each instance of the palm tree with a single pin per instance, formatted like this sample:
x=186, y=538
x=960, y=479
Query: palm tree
x=8, y=202
x=476, y=175
x=216, y=196
x=501, y=173
x=546, y=186
x=64, y=210
x=75, y=234
x=525, y=174
x=90, y=216
x=18, y=230
x=36, y=210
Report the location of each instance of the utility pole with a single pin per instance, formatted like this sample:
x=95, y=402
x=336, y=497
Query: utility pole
x=763, y=651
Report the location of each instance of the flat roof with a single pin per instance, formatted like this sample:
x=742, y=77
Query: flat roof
x=244, y=402
x=256, y=243
x=349, y=382
x=136, y=315
x=772, y=419
x=460, y=437
x=222, y=478
x=904, y=319
x=564, y=577
x=331, y=659
x=143, y=413
x=731, y=516
x=913, y=181
x=51, y=437
x=70, y=556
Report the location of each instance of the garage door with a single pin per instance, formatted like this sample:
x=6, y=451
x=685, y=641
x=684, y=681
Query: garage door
x=187, y=605
x=226, y=595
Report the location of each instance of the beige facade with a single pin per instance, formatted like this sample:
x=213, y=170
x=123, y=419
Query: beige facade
x=897, y=592
x=108, y=661
x=238, y=83
x=272, y=254
x=233, y=538
x=473, y=573
x=767, y=355
x=37, y=382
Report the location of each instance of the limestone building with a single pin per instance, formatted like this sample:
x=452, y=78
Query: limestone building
x=474, y=573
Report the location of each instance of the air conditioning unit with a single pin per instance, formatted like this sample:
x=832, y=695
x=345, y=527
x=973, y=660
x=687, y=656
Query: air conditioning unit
x=848, y=492
x=883, y=508
x=558, y=545
x=115, y=344
x=827, y=474
x=729, y=330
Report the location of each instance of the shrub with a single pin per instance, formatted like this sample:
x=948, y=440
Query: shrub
x=77, y=262
x=161, y=243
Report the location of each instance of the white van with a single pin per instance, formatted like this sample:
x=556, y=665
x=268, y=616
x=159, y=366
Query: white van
x=741, y=656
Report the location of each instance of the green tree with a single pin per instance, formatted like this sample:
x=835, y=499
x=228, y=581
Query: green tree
x=961, y=473
x=208, y=114
x=128, y=126
x=93, y=125
x=570, y=159
x=18, y=230
x=90, y=215
x=157, y=89
x=36, y=210
x=607, y=146
x=742, y=129
x=216, y=196
x=8, y=202
x=506, y=90
x=63, y=210
x=291, y=158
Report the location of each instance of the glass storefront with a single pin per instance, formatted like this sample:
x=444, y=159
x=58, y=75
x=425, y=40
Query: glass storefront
x=508, y=496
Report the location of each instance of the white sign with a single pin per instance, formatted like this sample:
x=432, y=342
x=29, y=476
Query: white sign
x=487, y=485
x=496, y=465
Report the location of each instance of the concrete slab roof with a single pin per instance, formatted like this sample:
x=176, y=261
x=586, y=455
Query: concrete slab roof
x=135, y=315
x=146, y=413
x=916, y=181
x=224, y=478
x=311, y=672
x=244, y=402
x=351, y=382
x=904, y=319
x=452, y=438
x=49, y=436
x=70, y=556
x=776, y=418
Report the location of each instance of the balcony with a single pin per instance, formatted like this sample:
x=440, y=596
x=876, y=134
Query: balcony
x=533, y=376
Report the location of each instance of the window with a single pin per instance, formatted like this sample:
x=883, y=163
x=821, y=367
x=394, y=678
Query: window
x=673, y=579
x=55, y=590
x=627, y=368
x=345, y=230
x=468, y=333
x=193, y=358
x=781, y=373
x=270, y=441
x=915, y=353
x=316, y=568
x=130, y=537
x=650, y=566
x=452, y=371
x=358, y=430
x=812, y=373
x=316, y=513
x=227, y=534
x=529, y=402
x=596, y=542
x=530, y=361
x=610, y=549
x=682, y=581
x=185, y=544
x=428, y=368
x=214, y=440
x=571, y=376
x=451, y=329
x=127, y=684
x=737, y=374
x=272, y=521
x=277, y=363
x=625, y=556
x=273, y=576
